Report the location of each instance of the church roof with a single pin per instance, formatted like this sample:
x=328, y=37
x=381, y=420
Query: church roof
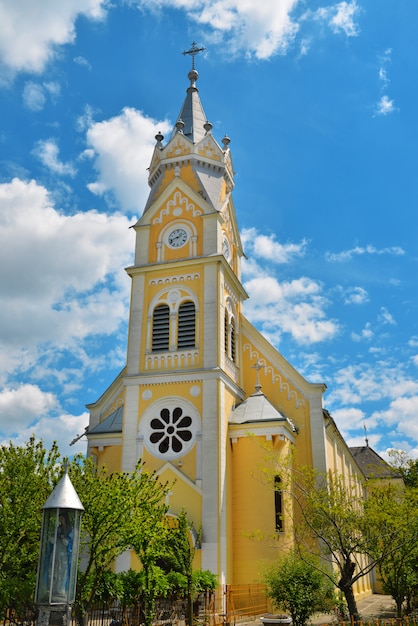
x=111, y=424
x=372, y=465
x=256, y=408
x=192, y=114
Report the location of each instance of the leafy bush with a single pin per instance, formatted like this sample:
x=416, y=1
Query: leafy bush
x=298, y=588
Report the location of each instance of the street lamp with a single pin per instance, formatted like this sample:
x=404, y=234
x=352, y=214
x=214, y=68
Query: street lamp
x=58, y=556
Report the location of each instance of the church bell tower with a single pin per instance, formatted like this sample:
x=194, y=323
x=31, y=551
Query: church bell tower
x=170, y=405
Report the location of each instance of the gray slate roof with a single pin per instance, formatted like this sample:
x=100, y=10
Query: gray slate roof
x=111, y=424
x=255, y=409
x=372, y=465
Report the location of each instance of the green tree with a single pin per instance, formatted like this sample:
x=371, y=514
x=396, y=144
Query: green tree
x=407, y=467
x=298, y=587
x=118, y=507
x=27, y=475
x=182, y=541
x=150, y=544
x=395, y=510
x=334, y=524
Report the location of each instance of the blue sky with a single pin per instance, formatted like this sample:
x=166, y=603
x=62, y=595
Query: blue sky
x=319, y=100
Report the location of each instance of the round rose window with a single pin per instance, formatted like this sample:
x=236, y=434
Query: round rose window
x=170, y=428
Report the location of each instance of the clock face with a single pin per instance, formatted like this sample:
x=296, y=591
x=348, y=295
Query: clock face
x=177, y=238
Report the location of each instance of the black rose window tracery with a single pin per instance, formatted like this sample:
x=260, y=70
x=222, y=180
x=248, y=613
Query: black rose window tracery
x=171, y=430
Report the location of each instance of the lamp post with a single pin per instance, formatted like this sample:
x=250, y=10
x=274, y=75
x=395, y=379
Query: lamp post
x=58, y=555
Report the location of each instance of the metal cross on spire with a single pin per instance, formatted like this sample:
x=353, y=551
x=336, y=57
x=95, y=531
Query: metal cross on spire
x=257, y=367
x=193, y=51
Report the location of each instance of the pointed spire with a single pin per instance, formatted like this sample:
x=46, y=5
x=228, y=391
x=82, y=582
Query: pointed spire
x=192, y=116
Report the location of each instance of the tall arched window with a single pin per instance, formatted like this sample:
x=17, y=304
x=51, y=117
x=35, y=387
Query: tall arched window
x=278, y=503
x=186, y=329
x=232, y=339
x=226, y=333
x=161, y=328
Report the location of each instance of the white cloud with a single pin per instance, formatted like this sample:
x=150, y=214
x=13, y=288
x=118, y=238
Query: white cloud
x=347, y=255
x=121, y=148
x=33, y=95
x=363, y=382
x=47, y=152
x=366, y=334
x=385, y=106
x=402, y=412
x=385, y=317
x=266, y=247
x=80, y=60
x=343, y=19
x=31, y=31
x=62, y=428
x=355, y=295
x=259, y=30
x=64, y=280
x=349, y=419
x=340, y=17
x=296, y=307
x=21, y=405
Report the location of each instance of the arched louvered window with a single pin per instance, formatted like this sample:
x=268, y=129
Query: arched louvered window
x=186, y=330
x=161, y=328
x=232, y=339
x=226, y=342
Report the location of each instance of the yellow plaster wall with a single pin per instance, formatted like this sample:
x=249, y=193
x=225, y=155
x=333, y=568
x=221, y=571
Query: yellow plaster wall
x=282, y=394
x=253, y=509
x=110, y=457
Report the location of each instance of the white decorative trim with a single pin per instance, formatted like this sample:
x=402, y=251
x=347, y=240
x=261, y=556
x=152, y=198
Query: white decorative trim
x=179, y=278
x=102, y=443
x=172, y=360
x=276, y=377
x=178, y=201
x=268, y=433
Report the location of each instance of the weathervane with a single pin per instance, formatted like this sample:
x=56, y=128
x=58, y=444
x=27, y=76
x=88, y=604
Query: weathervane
x=193, y=51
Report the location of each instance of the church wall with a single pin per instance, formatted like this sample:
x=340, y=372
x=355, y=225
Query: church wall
x=109, y=456
x=135, y=336
x=255, y=539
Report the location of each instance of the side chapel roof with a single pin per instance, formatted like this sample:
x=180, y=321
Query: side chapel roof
x=255, y=409
x=372, y=465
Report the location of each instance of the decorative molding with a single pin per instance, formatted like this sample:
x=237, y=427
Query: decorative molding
x=172, y=360
x=269, y=433
x=177, y=202
x=276, y=377
x=230, y=293
x=179, y=278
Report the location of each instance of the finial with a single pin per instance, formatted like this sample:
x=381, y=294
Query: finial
x=257, y=366
x=226, y=141
x=193, y=51
x=159, y=138
x=180, y=125
x=207, y=126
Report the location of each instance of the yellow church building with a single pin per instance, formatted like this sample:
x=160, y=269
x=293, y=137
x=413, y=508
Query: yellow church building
x=203, y=391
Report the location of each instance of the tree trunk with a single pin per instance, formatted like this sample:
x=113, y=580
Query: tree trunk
x=346, y=585
x=189, y=601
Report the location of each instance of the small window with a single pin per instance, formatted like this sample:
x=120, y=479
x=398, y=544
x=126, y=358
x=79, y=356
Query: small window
x=278, y=504
x=161, y=328
x=186, y=332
